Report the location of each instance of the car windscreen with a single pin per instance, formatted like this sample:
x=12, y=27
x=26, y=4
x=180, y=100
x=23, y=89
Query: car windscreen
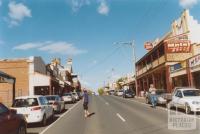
x=67, y=94
x=49, y=98
x=29, y=102
x=188, y=93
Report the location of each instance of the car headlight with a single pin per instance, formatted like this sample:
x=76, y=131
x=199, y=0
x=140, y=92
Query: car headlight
x=196, y=102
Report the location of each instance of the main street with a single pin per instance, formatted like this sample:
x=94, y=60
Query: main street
x=114, y=115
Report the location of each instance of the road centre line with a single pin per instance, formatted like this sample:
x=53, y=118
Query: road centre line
x=59, y=118
x=118, y=115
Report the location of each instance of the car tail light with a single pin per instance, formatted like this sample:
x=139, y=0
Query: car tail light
x=36, y=108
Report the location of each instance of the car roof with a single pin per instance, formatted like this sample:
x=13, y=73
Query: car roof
x=184, y=89
x=51, y=95
x=26, y=97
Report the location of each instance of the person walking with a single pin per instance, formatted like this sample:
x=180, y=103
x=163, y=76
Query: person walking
x=153, y=96
x=85, y=103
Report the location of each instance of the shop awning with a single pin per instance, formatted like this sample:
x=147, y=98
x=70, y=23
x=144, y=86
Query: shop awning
x=178, y=73
x=5, y=78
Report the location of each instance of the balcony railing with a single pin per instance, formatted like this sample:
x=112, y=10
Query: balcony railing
x=152, y=65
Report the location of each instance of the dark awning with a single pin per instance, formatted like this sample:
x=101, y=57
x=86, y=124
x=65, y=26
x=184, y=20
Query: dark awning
x=5, y=78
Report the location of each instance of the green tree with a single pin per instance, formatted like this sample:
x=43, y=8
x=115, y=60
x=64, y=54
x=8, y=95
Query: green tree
x=100, y=91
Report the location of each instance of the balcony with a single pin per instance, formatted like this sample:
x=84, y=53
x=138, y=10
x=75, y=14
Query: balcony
x=152, y=65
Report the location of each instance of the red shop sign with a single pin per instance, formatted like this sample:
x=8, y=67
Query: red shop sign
x=178, y=46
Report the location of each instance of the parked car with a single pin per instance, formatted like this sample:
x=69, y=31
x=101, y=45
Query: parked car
x=160, y=95
x=76, y=96
x=80, y=95
x=187, y=99
x=128, y=94
x=36, y=109
x=120, y=93
x=111, y=92
x=57, y=103
x=68, y=98
x=10, y=122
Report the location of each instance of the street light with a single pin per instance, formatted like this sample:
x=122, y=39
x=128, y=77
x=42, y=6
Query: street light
x=134, y=59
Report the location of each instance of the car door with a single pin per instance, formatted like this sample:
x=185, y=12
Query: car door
x=178, y=99
x=8, y=121
x=4, y=122
x=44, y=106
x=175, y=98
x=48, y=107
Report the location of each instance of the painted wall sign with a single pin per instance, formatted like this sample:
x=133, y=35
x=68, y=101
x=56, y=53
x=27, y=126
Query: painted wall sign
x=195, y=61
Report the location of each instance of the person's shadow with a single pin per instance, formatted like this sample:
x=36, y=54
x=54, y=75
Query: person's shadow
x=93, y=113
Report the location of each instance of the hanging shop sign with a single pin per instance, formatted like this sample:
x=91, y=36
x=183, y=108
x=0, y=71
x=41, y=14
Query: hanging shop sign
x=148, y=46
x=178, y=46
x=195, y=61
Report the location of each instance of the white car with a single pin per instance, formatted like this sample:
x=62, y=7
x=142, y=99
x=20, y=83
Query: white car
x=120, y=93
x=76, y=96
x=35, y=109
x=187, y=99
x=56, y=102
x=68, y=98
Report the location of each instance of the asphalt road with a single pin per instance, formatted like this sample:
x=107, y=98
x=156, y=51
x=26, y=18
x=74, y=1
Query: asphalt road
x=36, y=128
x=114, y=115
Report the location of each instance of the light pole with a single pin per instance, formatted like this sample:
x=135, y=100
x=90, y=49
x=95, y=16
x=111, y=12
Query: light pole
x=132, y=44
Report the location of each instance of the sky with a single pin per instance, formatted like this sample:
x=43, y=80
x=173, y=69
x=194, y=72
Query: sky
x=88, y=31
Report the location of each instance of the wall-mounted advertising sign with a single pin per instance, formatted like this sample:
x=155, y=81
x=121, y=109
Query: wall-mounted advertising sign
x=195, y=61
x=148, y=46
x=178, y=46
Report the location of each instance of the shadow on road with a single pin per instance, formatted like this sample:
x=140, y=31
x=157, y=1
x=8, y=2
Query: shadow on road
x=93, y=113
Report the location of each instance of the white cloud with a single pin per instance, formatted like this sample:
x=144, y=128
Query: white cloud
x=77, y=4
x=103, y=8
x=188, y=3
x=62, y=48
x=27, y=46
x=17, y=12
x=51, y=47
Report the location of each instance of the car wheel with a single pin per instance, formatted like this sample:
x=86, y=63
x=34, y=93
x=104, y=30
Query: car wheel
x=44, y=121
x=22, y=129
x=187, y=109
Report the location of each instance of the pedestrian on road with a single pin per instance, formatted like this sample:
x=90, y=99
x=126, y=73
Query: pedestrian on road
x=85, y=103
x=153, y=96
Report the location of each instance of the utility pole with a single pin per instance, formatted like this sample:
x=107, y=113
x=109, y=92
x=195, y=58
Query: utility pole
x=132, y=44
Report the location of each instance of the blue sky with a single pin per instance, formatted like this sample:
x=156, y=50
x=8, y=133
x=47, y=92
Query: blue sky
x=86, y=31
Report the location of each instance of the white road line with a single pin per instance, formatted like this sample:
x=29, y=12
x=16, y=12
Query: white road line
x=118, y=115
x=59, y=118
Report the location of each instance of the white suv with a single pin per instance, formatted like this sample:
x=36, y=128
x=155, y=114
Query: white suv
x=36, y=109
x=186, y=98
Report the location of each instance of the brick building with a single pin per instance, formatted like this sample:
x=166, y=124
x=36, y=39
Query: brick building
x=30, y=74
x=179, y=44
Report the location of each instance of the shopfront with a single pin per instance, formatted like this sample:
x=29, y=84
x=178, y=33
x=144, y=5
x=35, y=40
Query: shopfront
x=194, y=66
